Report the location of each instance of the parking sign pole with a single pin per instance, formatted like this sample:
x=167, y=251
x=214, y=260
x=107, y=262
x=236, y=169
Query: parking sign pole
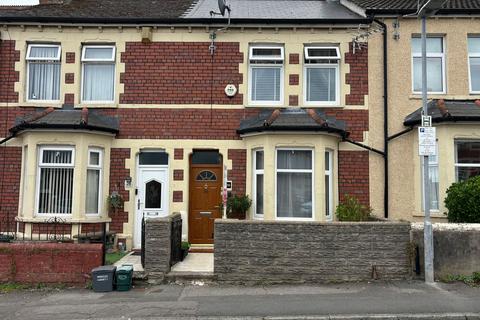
x=427, y=228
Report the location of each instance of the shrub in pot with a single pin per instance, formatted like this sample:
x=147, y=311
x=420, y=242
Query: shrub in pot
x=115, y=201
x=352, y=210
x=237, y=206
x=463, y=201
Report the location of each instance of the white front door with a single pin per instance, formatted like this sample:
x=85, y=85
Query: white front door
x=152, y=197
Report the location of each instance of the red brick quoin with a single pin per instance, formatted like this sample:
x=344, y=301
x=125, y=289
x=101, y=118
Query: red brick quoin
x=238, y=174
x=118, y=173
x=10, y=170
x=358, y=76
x=353, y=179
x=180, y=73
x=8, y=75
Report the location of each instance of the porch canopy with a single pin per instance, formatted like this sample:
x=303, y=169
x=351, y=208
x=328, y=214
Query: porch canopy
x=292, y=119
x=448, y=111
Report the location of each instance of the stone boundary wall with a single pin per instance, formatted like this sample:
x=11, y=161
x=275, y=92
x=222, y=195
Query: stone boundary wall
x=43, y=262
x=262, y=252
x=456, y=248
x=158, y=244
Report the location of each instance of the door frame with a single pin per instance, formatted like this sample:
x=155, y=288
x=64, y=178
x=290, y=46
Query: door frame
x=137, y=223
x=190, y=177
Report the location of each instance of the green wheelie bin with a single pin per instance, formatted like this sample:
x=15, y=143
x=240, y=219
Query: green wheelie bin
x=124, y=275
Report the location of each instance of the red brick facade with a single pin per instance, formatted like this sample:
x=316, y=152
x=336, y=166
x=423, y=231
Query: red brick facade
x=355, y=120
x=69, y=98
x=358, y=76
x=353, y=175
x=37, y=262
x=180, y=73
x=178, y=196
x=118, y=173
x=178, y=154
x=293, y=58
x=293, y=100
x=70, y=57
x=8, y=75
x=238, y=174
x=293, y=79
x=178, y=175
x=10, y=172
x=69, y=78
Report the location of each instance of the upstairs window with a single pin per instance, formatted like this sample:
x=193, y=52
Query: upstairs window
x=55, y=185
x=266, y=74
x=474, y=63
x=98, y=74
x=321, y=74
x=435, y=65
x=43, y=72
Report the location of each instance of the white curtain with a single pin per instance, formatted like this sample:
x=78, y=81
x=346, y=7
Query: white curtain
x=266, y=84
x=294, y=189
x=321, y=84
x=43, y=76
x=93, y=186
x=98, y=81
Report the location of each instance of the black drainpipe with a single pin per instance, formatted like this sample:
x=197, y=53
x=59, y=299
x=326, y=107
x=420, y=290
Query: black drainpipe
x=385, y=117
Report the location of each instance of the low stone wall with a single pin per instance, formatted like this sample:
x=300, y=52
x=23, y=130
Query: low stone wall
x=456, y=248
x=296, y=252
x=158, y=244
x=37, y=262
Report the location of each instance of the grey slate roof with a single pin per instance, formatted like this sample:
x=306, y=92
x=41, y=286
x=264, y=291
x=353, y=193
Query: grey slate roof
x=458, y=111
x=410, y=6
x=276, y=9
x=291, y=119
x=66, y=119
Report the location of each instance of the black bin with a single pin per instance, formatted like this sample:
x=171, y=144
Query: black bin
x=103, y=278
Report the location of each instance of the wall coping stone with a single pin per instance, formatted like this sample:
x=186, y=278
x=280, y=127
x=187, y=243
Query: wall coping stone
x=336, y=223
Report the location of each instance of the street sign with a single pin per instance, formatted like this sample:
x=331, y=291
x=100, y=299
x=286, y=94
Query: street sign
x=427, y=141
x=426, y=121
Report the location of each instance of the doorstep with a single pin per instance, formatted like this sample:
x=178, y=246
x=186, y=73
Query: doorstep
x=201, y=248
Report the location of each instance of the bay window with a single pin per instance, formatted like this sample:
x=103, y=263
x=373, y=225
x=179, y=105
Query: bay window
x=435, y=64
x=98, y=73
x=258, y=173
x=43, y=72
x=474, y=63
x=329, y=184
x=266, y=74
x=55, y=182
x=467, y=159
x=294, y=183
x=321, y=74
x=94, y=178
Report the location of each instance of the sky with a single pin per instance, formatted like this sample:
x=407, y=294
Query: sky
x=17, y=2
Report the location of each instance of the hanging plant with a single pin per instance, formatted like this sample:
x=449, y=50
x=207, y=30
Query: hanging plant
x=115, y=200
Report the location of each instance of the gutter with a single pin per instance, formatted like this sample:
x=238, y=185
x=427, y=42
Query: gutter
x=26, y=126
x=8, y=138
x=327, y=129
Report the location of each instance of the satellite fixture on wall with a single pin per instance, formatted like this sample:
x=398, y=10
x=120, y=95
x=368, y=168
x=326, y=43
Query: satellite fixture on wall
x=222, y=7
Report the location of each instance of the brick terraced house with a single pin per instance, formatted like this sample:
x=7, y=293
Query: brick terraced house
x=161, y=101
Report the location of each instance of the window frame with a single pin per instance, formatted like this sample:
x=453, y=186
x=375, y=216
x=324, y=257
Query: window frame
x=311, y=171
x=40, y=164
x=329, y=173
x=337, y=84
x=471, y=55
x=265, y=64
x=429, y=55
x=98, y=168
x=463, y=165
x=257, y=172
x=430, y=164
x=84, y=61
x=28, y=60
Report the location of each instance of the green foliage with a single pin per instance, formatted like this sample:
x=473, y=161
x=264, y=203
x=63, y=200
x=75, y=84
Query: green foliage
x=111, y=258
x=238, y=204
x=185, y=245
x=471, y=280
x=115, y=200
x=352, y=210
x=463, y=201
x=12, y=286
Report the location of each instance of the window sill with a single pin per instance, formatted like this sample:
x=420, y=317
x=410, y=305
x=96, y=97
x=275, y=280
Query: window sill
x=435, y=214
x=445, y=96
x=68, y=219
x=111, y=105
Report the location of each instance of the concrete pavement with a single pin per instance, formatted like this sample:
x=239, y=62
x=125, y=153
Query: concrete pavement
x=378, y=300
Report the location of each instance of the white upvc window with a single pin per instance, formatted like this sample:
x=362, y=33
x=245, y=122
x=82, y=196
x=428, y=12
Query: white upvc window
x=294, y=186
x=467, y=159
x=329, y=184
x=266, y=75
x=55, y=180
x=43, y=72
x=258, y=174
x=434, y=182
x=98, y=74
x=321, y=84
x=94, y=181
x=436, y=82
x=474, y=63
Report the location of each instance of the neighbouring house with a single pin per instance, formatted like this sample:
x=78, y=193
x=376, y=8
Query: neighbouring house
x=159, y=101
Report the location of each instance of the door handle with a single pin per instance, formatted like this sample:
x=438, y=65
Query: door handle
x=138, y=204
x=205, y=213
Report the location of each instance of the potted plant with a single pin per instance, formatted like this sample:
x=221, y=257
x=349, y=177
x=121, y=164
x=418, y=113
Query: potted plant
x=115, y=201
x=237, y=207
